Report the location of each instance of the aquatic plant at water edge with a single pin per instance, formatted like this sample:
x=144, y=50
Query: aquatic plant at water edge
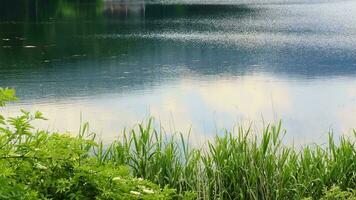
x=237, y=165
x=145, y=161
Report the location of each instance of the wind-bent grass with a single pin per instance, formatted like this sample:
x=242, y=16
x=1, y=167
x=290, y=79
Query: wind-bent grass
x=236, y=166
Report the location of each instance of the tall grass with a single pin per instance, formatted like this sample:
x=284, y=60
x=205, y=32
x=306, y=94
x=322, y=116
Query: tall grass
x=237, y=165
x=242, y=165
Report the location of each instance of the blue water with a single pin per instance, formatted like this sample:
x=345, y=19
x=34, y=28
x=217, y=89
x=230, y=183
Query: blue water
x=204, y=65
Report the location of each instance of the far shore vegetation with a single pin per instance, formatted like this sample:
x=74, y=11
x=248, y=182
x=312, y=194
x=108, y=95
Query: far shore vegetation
x=146, y=163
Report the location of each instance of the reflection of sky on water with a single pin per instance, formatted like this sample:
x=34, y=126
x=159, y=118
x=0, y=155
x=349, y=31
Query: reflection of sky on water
x=308, y=109
x=205, y=66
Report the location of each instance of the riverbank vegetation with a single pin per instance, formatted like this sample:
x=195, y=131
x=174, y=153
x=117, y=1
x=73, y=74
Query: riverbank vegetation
x=147, y=163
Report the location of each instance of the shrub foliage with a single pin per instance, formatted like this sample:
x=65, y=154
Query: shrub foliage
x=39, y=165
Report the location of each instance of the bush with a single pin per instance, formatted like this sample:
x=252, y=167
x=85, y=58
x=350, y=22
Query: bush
x=40, y=165
x=335, y=193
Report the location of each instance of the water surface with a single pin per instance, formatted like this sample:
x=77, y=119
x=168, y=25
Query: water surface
x=200, y=64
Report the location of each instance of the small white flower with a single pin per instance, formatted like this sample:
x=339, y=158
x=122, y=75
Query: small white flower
x=135, y=193
x=117, y=179
x=139, y=179
x=39, y=166
x=148, y=191
x=141, y=186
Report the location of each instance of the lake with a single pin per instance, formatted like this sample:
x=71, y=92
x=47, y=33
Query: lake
x=200, y=65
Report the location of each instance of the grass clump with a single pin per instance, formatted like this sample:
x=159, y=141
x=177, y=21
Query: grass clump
x=238, y=165
x=145, y=161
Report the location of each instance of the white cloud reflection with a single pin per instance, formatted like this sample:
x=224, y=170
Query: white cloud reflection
x=308, y=108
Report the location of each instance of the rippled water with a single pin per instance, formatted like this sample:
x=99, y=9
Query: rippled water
x=200, y=64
